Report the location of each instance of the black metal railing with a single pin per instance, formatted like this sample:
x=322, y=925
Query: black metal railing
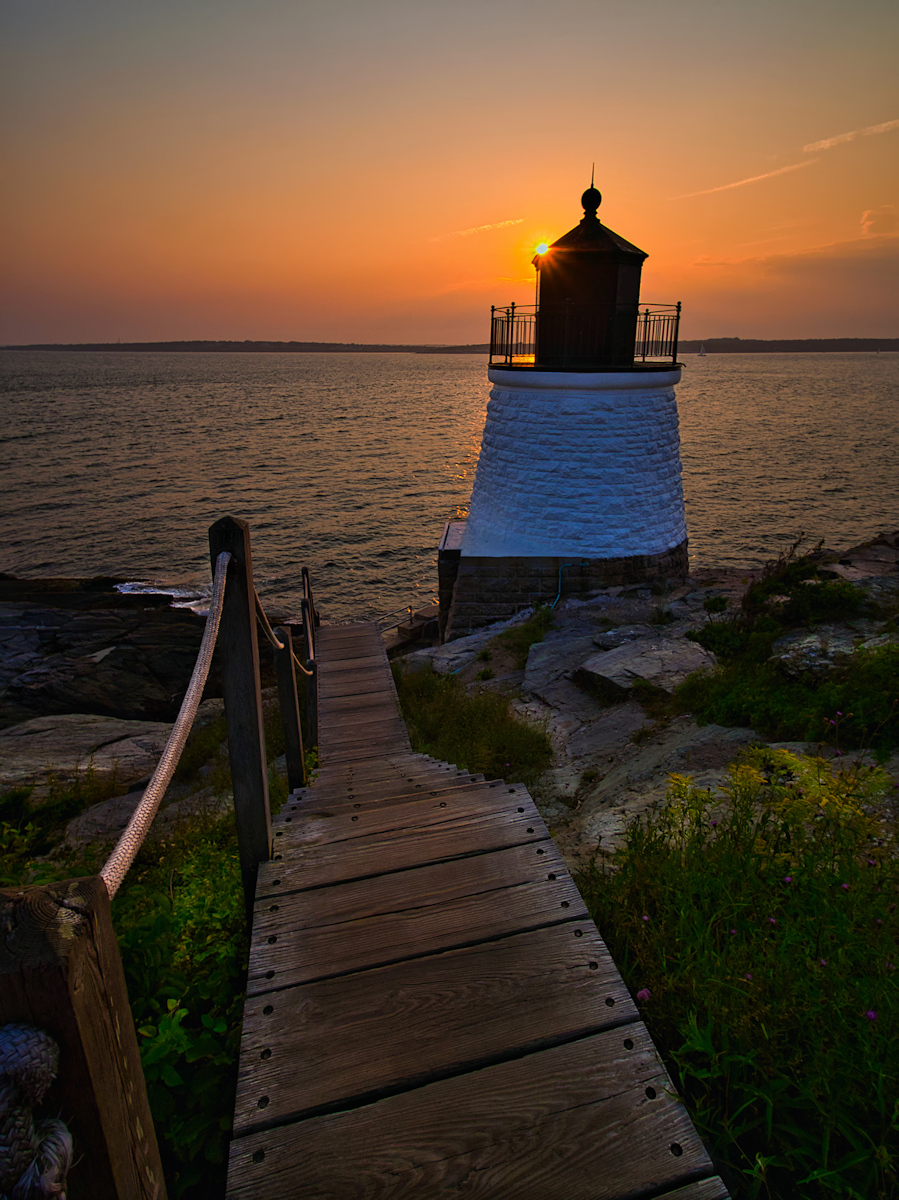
x=528, y=335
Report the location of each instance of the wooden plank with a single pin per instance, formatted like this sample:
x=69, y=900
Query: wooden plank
x=425, y=886
x=400, y=1026
x=339, y=665
x=394, y=850
x=61, y=972
x=340, y=704
x=705, y=1189
x=371, y=682
x=329, y=826
x=287, y=950
x=569, y=1123
x=390, y=793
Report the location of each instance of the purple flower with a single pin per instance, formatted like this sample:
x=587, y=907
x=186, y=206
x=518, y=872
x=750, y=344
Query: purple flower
x=643, y=995
x=838, y=753
x=823, y=962
x=839, y=714
x=733, y=931
x=891, y=966
x=871, y=1014
x=844, y=887
x=878, y=921
x=714, y=824
x=645, y=917
x=872, y=862
x=771, y=921
x=833, y=722
x=747, y=976
x=788, y=878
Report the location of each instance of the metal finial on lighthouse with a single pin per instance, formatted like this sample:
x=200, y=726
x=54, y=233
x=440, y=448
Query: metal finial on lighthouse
x=592, y=198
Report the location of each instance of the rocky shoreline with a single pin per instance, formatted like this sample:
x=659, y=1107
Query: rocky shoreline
x=89, y=676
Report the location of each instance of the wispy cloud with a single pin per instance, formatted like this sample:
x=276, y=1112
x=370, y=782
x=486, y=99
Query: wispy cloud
x=726, y=187
x=479, y=229
x=868, y=131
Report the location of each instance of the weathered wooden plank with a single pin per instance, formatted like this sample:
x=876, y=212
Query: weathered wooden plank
x=372, y=780
x=394, y=850
x=283, y=954
x=342, y=704
x=340, y=665
x=391, y=793
x=433, y=884
x=329, y=826
x=397, y=1027
x=705, y=1189
x=371, y=682
x=574, y=1122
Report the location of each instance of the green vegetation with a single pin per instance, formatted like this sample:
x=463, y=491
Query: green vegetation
x=29, y=830
x=180, y=922
x=759, y=934
x=520, y=638
x=181, y=927
x=475, y=731
x=749, y=689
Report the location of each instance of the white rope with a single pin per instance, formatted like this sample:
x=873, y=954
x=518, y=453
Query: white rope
x=263, y=621
x=272, y=636
x=142, y=818
x=300, y=665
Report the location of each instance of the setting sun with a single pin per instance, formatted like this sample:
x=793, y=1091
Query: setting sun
x=542, y=248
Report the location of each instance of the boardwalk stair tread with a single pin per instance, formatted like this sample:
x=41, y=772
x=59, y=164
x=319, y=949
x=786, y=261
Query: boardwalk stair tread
x=430, y=1010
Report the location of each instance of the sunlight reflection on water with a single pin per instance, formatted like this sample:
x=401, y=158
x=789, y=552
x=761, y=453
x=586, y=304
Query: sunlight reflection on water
x=117, y=463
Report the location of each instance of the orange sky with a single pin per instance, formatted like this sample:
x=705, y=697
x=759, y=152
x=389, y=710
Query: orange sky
x=380, y=170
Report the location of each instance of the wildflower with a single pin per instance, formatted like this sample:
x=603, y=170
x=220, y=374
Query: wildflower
x=833, y=722
x=839, y=714
x=771, y=921
x=871, y=1014
x=823, y=962
x=643, y=995
x=871, y=862
x=844, y=887
x=733, y=931
x=891, y=966
x=878, y=921
x=788, y=878
x=714, y=824
x=838, y=753
x=645, y=917
x=747, y=976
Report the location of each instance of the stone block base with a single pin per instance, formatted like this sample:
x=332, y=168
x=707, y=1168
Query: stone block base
x=478, y=591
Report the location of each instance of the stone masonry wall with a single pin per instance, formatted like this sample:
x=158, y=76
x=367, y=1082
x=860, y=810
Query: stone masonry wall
x=578, y=464
x=491, y=589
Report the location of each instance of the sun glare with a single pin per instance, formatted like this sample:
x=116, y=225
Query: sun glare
x=542, y=248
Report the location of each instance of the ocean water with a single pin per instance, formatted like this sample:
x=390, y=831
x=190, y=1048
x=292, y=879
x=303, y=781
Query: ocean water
x=117, y=463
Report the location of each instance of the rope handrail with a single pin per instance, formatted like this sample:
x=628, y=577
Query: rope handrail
x=118, y=863
x=272, y=636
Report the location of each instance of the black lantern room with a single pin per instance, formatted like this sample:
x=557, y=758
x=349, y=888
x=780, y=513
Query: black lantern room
x=589, y=292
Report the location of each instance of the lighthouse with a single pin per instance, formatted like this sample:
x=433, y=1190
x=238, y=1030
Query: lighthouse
x=578, y=484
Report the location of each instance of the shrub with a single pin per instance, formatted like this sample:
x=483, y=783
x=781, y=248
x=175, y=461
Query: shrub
x=474, y=731
x=759, y=931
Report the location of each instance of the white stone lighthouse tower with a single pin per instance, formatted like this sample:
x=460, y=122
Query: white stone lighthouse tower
x=578, y=484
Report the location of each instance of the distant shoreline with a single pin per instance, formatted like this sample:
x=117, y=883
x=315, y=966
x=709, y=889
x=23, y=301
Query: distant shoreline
x=693, y=346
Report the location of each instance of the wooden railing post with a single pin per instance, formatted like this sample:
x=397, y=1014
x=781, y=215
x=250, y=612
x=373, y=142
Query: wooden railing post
x=60, y=971
x=290, y=710
x=239, y=656
x=308, y=612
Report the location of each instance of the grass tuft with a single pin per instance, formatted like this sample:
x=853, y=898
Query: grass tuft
x=475, y=731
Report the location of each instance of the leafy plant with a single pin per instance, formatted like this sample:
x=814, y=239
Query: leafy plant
x=758, y=930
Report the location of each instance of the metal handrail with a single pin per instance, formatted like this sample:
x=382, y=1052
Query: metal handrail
x=582, y=333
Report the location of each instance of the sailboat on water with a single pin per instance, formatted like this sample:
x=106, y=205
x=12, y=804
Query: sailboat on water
x=702, y=350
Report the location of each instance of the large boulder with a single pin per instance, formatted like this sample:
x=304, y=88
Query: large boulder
x=59, y=748
x=662, y=662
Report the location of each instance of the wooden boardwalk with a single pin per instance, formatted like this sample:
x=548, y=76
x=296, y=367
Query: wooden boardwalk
x=430, y=1010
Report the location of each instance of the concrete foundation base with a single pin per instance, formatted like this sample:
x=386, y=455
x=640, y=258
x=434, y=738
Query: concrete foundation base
x=476, y=591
